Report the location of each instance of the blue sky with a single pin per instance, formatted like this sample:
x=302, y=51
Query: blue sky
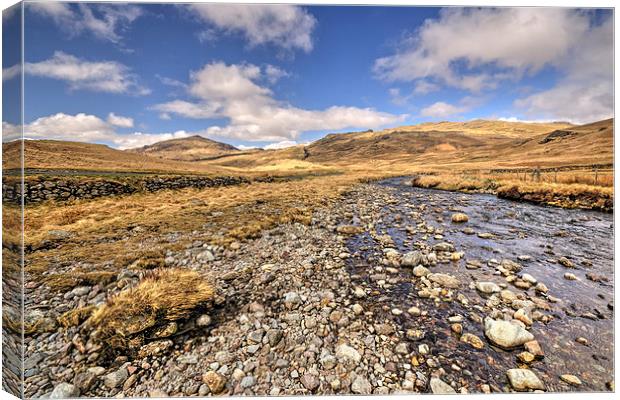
x=265, y=75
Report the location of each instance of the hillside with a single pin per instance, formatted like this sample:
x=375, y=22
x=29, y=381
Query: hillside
x=193, y=148
x=487, y=128
x=56, y=154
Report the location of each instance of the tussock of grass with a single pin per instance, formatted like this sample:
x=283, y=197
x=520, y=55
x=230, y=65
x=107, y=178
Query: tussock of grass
x=69, y=280
x=164, y=296
x=76, y=316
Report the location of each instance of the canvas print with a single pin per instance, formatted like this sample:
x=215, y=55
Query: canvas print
x=220, y=199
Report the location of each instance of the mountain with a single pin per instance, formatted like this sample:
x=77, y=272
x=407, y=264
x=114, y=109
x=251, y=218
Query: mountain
x=193, y=148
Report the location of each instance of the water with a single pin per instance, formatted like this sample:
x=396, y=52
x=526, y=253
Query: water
x=520, y=229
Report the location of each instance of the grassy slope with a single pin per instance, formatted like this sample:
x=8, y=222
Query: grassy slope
x=193, y=148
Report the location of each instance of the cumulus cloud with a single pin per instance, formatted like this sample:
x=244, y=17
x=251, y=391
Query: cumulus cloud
x=83, y=127
x=287, y=26
x=98, y=76
x=105, y=22
x=232, y=92
x=280, y=145
x=441, y=109
x=117, y=120
x=11, y=72
x=478, y=49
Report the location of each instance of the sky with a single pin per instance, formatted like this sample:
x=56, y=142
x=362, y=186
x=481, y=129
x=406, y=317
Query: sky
x=272, y=76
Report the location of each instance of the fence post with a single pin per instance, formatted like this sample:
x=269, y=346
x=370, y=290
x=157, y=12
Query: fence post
x=595, y=176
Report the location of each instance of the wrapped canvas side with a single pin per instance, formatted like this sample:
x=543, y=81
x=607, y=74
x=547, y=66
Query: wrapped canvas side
x=12, y=205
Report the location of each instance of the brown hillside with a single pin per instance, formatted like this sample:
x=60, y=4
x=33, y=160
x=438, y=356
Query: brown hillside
x=193, y=148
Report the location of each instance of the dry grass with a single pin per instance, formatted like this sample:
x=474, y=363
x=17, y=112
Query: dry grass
x=133, y=231
x=76, y=316
x=568, y=195
x=164, y=296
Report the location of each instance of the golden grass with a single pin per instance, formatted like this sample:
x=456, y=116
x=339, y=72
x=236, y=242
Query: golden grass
x=76, y=316
x=568, y=195
x=131, y=231
x=164, y=296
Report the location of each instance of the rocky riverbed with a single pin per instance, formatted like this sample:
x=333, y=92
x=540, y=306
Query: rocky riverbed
x=382, y=293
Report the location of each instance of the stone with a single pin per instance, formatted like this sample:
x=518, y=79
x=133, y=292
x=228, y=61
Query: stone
x=357, y=309
x=459, y=217
x=506, y=334
x=487, y=287
x=292, y=300
x=349, y=229
x=247, y=382
x=420, y=271
x=444, y=280
x=472, y=340
x=274, y=336
x=84, y=381
x=571, y=379
x=214, y=381
x=443, y=247
x=348, y=354
x=310, y=381
x=64, y=391
x=413, y=259
x=526, y=357
x=566, y=262
x=359, y=292
x=440, y=387
x=522, y=316
x=116, y=378
x=523, y=380
x=203, y=320
x=541, y=288
x=570, y=277
x=384, y=329
x=361, y=385
x=534, y=347
x=529, y=278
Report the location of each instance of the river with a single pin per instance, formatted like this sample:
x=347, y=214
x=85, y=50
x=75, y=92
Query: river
x=534, y=236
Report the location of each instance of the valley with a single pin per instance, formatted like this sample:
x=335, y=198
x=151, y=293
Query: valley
x=335, y=267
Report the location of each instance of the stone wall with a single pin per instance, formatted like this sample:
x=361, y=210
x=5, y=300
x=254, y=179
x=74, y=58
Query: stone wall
x=37, y=189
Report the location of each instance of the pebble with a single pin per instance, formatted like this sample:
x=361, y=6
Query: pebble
x=524, y=379
x=506, y=334
x=361, y=385
x=571, y=379
x=440, y=387
x=64, y=391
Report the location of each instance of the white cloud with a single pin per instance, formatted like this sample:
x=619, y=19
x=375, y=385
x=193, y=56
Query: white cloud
x=244, y=147
x=286, y=26
x=441, y=109
x=274, y=73
x=231, y=91
x=11, y=72
x=99, y=76
x=117, y=120
x=280, y=145
x=83, y=127
x=105, y=22
x=79, y=127
x=477, y=49
x=187, y=109
x=424, y=87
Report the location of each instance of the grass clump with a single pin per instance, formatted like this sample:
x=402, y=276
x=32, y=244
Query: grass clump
x=76, y=316
x=162, y=297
